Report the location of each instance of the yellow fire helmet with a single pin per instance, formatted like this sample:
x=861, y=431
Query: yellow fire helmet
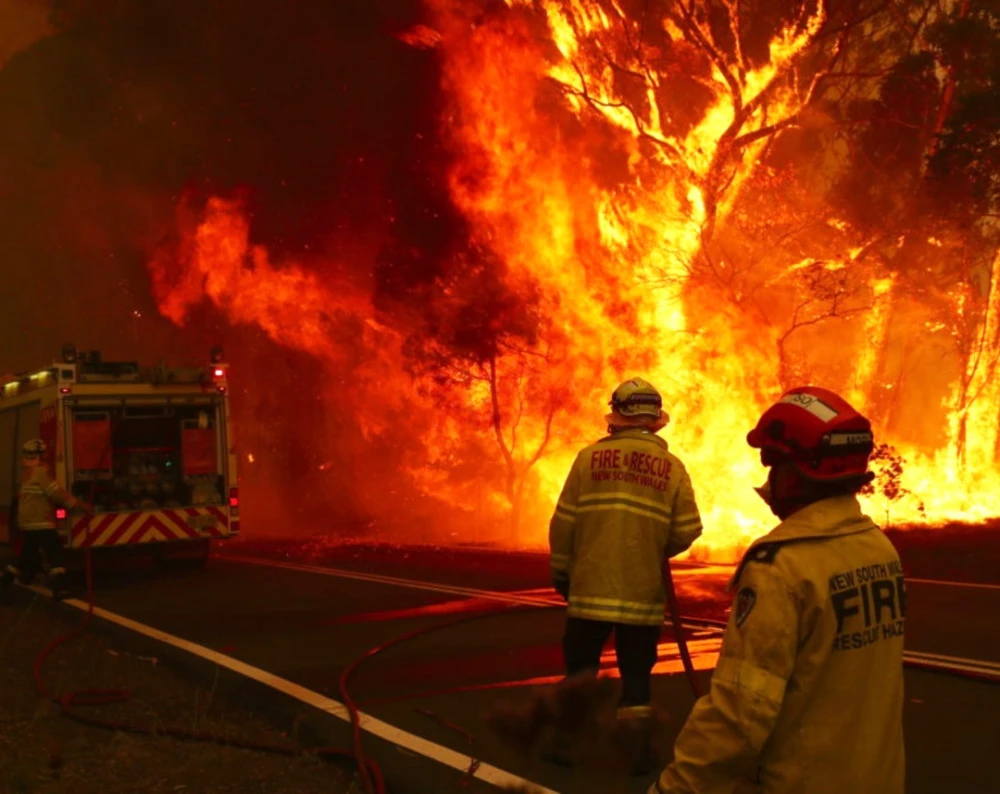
x=34, y=448
x=637, y=402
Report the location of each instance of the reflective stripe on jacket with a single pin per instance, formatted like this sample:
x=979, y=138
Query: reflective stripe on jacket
x=38, y=498
x=807, y=697
x=626, y=506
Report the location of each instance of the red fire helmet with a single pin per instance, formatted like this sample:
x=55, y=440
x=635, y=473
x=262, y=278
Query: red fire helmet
x=819, y=432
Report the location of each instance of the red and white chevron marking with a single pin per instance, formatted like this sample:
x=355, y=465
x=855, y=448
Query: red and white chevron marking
x=119, y=529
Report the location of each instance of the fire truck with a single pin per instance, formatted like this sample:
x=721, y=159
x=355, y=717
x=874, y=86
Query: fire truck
x=151, y=448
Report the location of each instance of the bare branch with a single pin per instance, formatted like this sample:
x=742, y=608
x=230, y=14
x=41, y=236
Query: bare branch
x=817, y=79
x=641, y=130
x=546, y=437
x=733, y=15
x=691, y=24
x=498, y=419
x=904, y=23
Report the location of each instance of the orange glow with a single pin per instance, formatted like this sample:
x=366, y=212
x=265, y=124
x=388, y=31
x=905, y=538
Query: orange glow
x=606, y=210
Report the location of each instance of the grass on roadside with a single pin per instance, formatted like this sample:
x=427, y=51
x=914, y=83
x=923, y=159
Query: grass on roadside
x=43, y=752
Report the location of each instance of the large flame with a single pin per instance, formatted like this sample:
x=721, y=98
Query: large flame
x=602, y=200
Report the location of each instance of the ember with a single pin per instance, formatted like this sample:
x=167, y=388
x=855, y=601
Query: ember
x=675, y=190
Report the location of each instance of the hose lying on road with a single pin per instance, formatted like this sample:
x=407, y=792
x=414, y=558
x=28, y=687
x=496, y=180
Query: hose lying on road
x=69, y=702
x=504, y=610
x=678, y=621
x=353, y=666
x=371, y=775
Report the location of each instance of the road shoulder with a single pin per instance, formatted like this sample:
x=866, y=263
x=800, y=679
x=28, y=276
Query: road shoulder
x=41, y=750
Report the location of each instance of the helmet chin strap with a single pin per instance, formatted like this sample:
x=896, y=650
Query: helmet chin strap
x=784, y=492
x=612, y=429
x=764, y=492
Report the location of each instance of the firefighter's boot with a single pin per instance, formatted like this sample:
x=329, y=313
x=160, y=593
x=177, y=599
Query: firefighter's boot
x=521, y=725
x=576, y=713
x=57, y=584
x=633, y=740
x=561, y=749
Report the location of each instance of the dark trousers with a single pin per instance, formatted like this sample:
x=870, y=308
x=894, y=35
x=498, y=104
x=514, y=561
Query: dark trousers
x=635, y=650
x=35, y=542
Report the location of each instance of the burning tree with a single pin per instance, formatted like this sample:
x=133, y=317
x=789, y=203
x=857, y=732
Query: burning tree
x=481, y=338
x=920, y=176
x=888, y=466
x=826, y=291
x=705, y=88
x=964, y=162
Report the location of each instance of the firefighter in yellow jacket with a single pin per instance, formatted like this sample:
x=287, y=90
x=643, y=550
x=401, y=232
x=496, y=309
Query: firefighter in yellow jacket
x=38, y=497
x=626, y=507
x=807, y=696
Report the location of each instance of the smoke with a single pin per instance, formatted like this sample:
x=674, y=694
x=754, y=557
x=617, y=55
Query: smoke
x=122, y=117
x=22, y=23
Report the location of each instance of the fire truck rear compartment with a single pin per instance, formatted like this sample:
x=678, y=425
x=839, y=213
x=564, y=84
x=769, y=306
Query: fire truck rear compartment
x=145, y=457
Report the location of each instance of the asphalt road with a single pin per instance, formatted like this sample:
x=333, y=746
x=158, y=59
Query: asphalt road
x=290, y=618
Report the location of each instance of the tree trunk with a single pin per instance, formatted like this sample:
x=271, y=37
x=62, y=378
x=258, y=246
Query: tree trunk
x=882, y=401
x=516, y=506
x=960, y=437
x=947, y=98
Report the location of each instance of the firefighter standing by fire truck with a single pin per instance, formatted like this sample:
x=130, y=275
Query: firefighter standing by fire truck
x=626, y=507
x=807, y=696
x=38, y=497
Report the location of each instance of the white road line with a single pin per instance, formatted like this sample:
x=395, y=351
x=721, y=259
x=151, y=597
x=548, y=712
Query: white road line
x=983, y=664
x=514, y=598
x=951, y=666
x=416, y=744
x=517, y=597
x=946, y=583
x=416, y=584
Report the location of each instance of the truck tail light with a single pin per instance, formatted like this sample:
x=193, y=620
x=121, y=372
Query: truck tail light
x=60, y=513
x=234, y=501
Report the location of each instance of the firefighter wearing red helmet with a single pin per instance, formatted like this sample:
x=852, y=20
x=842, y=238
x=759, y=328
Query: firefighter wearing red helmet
x=627, y=506
x=807, y=696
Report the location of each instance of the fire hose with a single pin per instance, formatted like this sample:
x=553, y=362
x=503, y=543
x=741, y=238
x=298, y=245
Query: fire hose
x=370, y=773
x=70, y=701
x=676, y=619
x=678, y=623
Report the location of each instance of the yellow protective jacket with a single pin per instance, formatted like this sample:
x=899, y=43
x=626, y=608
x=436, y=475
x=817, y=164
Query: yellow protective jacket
x=807, y=697
x=626, y=506
x=38, y=497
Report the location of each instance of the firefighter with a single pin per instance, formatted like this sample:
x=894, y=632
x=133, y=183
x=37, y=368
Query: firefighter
x=807, y=696
x=626, y=507
x=38, y=497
